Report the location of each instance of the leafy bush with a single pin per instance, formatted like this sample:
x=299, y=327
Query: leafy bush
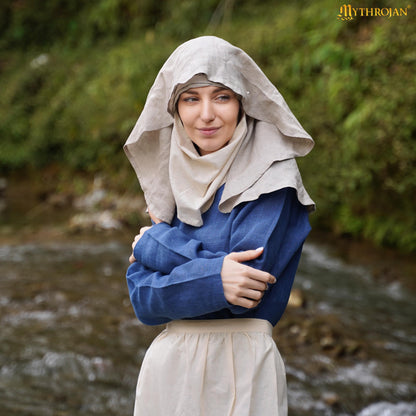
x=75, y=78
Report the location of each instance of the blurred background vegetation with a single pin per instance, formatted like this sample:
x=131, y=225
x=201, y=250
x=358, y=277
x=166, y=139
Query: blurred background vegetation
x=75, y=75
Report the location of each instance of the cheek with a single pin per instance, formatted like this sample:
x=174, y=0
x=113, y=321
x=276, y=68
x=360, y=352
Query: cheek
x=232, y=114
x=186, y=116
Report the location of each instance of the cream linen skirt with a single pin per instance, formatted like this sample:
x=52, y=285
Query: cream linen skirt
x=224, y=367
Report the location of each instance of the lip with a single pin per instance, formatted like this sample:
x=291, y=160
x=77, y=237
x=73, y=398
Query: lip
x=208, y=131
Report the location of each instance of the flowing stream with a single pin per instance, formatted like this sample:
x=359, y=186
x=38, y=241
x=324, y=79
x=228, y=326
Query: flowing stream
x=71, y=345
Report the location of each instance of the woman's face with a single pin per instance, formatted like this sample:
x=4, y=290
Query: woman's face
x=209, y=116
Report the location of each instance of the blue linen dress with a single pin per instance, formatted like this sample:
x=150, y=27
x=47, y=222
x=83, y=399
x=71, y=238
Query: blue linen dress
x=177, y=274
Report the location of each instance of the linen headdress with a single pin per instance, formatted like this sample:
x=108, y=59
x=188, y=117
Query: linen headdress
x=263, y=164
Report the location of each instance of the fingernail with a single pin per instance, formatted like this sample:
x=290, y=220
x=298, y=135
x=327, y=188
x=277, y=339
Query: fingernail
x=260, y=249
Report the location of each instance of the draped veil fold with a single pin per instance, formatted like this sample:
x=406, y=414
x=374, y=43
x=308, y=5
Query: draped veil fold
x=264, y=163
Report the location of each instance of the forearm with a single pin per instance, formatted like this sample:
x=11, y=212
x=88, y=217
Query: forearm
x=162, y=248
x=190, y=290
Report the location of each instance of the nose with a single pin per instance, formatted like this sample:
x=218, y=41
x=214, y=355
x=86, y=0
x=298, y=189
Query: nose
x=207, y=111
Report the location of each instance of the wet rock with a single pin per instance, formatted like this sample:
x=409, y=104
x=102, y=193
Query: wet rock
x=59, y=200
x=93, y=198
x=295, y=329
x=352, y=347
x=330, y=398
x=94, y=221
x=338, y=351
x=296, y=299
x=101, y=209
x=327, y=342
x=127, y=207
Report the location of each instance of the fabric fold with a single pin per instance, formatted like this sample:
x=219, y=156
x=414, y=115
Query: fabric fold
x=195, y=179
x=276, y=134
x=217, y=362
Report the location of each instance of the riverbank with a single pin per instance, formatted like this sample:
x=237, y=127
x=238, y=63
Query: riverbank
x=345, y=338
x=42, y=216
x=42, y=210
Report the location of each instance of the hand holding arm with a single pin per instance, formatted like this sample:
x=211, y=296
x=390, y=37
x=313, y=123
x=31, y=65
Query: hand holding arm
x=244, y=285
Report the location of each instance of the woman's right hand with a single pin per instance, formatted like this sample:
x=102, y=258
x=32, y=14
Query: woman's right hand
x=244, y=285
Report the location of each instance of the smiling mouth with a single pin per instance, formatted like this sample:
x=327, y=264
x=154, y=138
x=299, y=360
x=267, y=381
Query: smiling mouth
x=209, y=131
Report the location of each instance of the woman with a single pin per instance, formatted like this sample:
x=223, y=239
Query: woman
x=214, y=152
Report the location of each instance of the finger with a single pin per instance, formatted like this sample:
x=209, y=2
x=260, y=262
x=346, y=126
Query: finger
x=247, y=255
x=136, y=239
x=143, y=230
x=243, y=281
x=245, y=303
x=255, y=295
x=253, y=284
x=258, y=275
x=132, y=259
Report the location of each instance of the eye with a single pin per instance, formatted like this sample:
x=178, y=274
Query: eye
x=223, y=97
x=190, y=99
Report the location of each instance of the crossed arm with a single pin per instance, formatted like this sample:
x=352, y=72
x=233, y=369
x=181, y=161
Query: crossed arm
x=243, y=285
x=176, y=277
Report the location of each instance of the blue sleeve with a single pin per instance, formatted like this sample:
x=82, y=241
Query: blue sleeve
x=280, y=224
x=191, y=289
x=277, y=222
x=163, y=248
x=176, y=278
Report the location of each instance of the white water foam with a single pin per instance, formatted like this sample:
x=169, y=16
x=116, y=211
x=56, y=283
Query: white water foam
x=389, y=409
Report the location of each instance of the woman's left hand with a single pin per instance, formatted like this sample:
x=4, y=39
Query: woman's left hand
x=132, y=259
x=156, y=220
x=244, y=285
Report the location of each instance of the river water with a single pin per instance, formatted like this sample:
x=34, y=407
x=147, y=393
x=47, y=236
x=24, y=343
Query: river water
x=70, y=344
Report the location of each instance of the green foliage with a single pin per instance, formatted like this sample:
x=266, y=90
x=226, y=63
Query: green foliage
x=370, y=152
x=73, y=22
x=75, y=77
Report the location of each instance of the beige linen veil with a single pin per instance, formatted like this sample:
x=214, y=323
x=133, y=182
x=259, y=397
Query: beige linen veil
x=264, y=164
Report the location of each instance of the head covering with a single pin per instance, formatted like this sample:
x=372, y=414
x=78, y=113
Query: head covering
x=264, y=161
x=198, y=80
